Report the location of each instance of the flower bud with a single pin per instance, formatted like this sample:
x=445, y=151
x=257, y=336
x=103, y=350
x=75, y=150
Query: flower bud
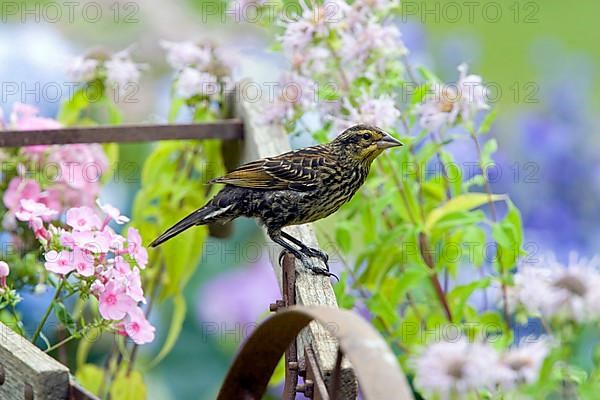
x=4, y=269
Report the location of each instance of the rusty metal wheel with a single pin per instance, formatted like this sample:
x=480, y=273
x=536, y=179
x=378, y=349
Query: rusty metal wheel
x=375, y=366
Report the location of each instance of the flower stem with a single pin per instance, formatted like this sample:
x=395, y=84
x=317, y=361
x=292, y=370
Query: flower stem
x=47, y=312
x=488, y=190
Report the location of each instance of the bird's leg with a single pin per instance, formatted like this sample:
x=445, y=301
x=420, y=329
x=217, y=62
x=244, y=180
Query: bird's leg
x=309, y=251
x=277, y=237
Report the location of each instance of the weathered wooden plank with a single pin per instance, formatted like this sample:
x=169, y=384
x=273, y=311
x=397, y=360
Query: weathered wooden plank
x=262, y=140
x=225, y=129
x=28, y=369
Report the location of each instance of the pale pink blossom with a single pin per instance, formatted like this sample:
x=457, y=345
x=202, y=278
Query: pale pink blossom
x=135, y=247
x=59, y=262
x=19, y=189
x=83, y=219
x=137, y=327
x=40, y=232
x=114, y=302
x=134, y=286
x=84, y=263
x=113, y=212
x=97, y=242
x=31, y=209
x=97, y=287
x=4, y=271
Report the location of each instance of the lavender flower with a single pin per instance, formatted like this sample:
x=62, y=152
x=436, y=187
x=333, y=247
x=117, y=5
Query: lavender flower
x=82, y=69
x=185, y=54
x=192, y=82
x=447, y=102
x=453, y=369
x=121, y=69
x=556, y=291
x=521, y=364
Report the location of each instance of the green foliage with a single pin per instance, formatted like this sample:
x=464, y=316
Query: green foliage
x=128, y=386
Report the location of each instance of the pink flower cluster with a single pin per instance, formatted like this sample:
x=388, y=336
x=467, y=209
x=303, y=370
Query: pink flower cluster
x=104, y=262
x=55, y=176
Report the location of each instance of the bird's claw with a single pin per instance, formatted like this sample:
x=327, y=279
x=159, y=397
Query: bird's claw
x=319, y=271
x=311, y=252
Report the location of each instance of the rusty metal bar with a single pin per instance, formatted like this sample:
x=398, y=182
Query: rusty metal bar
x=377, y=370
x=225, y=129
x=289, y=299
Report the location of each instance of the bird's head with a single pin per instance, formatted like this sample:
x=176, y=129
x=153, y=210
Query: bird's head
x=364, y=142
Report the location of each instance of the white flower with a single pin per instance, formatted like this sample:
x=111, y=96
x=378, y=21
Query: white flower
x=379, y=111
x=371, y=39
x=556, y=291
x=447, y=368
x=447, y=102
x=297, y=93
x=522, y=364
x=112, y=212
x=192, y=82
x=315, y=21
x=185, y=54
x=122, y=70
x=82, y=69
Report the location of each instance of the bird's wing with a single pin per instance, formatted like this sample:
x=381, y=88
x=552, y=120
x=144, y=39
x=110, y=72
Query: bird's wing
x=299, y=170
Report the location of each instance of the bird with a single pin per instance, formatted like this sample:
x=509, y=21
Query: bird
x=293, y=188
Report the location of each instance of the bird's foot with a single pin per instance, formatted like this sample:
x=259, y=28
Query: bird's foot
x=317, y=270
x=312, y=252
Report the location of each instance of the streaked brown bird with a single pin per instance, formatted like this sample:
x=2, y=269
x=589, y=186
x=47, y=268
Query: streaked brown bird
x=293, y=188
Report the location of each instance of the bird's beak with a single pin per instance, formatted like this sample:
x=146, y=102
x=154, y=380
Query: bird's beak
x=387, y=141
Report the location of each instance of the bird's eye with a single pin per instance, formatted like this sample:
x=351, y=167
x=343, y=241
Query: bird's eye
x=366, y=136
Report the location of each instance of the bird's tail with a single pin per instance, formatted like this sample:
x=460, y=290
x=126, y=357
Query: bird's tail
x=202, y=216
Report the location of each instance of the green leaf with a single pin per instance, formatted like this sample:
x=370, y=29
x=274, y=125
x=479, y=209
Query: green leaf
x=487, y=122
x=177, y=318
x=489, y=148
x=71, y=109
x=176, y=104
x=458, y=297
x=65, y=317
x=128, y=387
x=90, y=377
x=463, y=202
x=343, y=237
x=428, y=75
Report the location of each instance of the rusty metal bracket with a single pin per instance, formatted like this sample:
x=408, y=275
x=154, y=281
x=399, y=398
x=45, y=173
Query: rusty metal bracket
x=375, y=365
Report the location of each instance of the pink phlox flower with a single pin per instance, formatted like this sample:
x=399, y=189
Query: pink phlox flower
x=135, y=248
x=114, y=302
x=83, y=219
x=113, y=212
x=19, y=189
x=31, y=209
x=84, y=262
x=138, y=328
x=59, y=262
x=97, y=242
